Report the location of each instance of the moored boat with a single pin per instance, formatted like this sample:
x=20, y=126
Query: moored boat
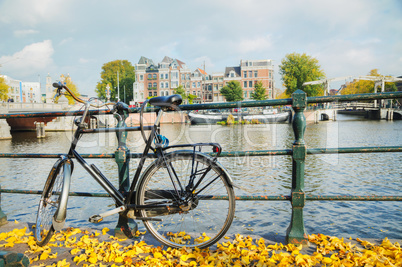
x=267, y=116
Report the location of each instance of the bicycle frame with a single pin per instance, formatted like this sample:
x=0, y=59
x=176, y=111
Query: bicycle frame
x=95, y=172
x=124, y=202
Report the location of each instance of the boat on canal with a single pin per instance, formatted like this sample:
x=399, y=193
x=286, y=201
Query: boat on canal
x=214, y=116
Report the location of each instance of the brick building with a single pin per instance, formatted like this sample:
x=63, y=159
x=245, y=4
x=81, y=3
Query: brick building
x=163, y=78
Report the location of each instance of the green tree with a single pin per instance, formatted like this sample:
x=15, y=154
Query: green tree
x=126, y=73
x=361, y=86
x=3, y=89
x=297, y=69
x=180, y=91
x=259, y=92
x=232, y=91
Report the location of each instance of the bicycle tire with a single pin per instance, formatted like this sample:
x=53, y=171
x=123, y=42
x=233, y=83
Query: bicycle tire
x=53, y=203
x=209, y=214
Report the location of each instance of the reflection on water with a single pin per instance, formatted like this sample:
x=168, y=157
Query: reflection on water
x=345, y=174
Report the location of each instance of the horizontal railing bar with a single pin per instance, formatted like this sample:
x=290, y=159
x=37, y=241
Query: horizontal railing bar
x=283, y=152
x=345, y=150
x=356, y=97
x=353, y=198
x=243, y=104
x=121, y=129
x=245, y=198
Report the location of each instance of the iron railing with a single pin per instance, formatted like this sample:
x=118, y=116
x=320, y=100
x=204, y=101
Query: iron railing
x=296, y=231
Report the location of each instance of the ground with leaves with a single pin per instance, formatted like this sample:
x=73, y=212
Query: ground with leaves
x=86, y=247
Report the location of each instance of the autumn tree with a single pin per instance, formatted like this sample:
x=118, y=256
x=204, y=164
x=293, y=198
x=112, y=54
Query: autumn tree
x=3, y=89
x=259, y=92
x=110, y=71
x=73, y=88
x=180, y=91
x=232, y=91
x=297, y=69
x=360, y=86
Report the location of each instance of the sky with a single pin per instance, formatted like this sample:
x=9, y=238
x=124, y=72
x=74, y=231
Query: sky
x=76, y=37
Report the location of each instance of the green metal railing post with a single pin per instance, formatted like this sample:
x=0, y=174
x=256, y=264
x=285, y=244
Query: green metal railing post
x=125, y=227
x=296, y=233
x=3, y=216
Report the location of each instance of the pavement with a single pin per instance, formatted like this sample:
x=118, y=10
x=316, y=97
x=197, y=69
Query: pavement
x=65, y=252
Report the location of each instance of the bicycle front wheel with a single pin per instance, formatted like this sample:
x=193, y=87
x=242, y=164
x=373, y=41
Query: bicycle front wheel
x=196, y=200
x=53, y=202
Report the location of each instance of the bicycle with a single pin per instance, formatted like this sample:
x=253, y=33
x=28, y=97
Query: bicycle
x=184, y=197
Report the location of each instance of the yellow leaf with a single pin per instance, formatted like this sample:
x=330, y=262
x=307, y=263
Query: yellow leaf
x=44, y=256
x=158, y=255
x=326, y=260
x=105, y=230
x=16, y=222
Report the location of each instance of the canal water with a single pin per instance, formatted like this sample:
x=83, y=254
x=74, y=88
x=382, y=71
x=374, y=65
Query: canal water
x=339, y=174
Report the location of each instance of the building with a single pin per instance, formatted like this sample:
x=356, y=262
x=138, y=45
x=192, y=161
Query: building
x=23, y=92
x=163, y=78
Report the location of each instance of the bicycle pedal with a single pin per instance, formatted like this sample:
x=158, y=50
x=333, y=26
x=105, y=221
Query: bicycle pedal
x=95, y=219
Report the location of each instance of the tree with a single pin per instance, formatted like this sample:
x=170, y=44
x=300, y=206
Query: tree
x=3, y=89
x=297, y=69
x=259, y=92
x=232, y=91
x=73, y=88
x=367, y=86
x=180, y=91
x=126, y=72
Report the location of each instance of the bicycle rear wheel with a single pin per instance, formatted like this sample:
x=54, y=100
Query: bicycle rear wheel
x=196, y=215
x=53, y=203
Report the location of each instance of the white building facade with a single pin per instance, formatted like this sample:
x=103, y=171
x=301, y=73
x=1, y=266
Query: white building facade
x=23, y=92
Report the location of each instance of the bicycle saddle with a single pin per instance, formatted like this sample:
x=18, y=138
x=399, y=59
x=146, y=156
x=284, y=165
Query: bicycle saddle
x=166, y=101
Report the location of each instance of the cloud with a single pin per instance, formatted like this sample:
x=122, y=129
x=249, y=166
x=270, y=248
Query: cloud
x=30, y=60
x=24, y=33
x=31, y=12
x=255, y=45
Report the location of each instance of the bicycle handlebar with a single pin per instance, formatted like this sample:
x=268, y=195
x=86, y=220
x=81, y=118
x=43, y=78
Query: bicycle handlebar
x=60, y=86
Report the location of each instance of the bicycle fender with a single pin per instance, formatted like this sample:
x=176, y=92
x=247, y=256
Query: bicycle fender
x=61, y=213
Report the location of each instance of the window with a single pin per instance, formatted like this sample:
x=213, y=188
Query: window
x=149, y=76
x=270, y=74
x=255, y=74
x=155, y=93
x=194, y=93
x=245, y=84
x=250, y=74
x=162, y=94
x=250, y=84
x=149, y=85
x=155, y=85
x=245, y=74
x=188, y=76
x=198, y=84
x=150, y=94
x=245, y=94
x=183, y=76
x=166, y=75
x=269, y=86
x=154, y=76
x=162, y=85
x=141, y=77
x=166, y=85
x=193, y=84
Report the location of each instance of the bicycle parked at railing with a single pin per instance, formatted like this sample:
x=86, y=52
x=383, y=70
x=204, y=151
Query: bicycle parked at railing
x=184, y=197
